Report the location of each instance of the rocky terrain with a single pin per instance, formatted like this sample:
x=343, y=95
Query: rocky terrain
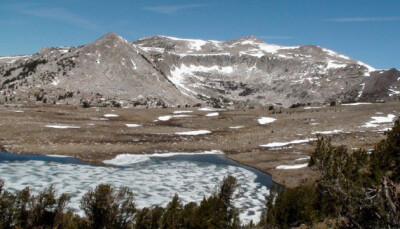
x=171, y=72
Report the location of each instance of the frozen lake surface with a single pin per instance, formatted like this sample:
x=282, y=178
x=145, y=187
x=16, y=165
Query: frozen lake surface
x=154, y=180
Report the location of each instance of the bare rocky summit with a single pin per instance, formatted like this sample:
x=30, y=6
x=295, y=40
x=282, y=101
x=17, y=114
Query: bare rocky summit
x=164, y=71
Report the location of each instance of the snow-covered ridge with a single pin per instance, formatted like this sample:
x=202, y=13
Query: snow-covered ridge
x=12, y=59
x=193, y=44
x=250, y=46
x=335, y=54
x=190, y=71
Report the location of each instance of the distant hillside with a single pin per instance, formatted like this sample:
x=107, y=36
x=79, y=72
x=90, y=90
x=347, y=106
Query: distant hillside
x=166, y=71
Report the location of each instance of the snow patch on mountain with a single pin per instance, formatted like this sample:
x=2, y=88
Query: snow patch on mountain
x=179, y=75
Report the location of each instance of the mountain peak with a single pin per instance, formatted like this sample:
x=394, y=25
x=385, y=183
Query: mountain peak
x=111, y=37
x=171, y=71
x=253, y=38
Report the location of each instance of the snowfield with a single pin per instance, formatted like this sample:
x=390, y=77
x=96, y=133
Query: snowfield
x=298, y=166
x=206, y=109
x=265, y=120
x=195, y=132
x=165, y=118
x=62, y=127
x=182, y=112
x=133, y=125
x=111, y=115
x=379, y=120
x=236, y=127
x=328, y=132
x=212, y=114
x=355, y=104
x=280, y=144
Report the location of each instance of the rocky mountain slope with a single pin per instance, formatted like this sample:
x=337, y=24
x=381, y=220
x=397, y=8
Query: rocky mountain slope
x=168, y=71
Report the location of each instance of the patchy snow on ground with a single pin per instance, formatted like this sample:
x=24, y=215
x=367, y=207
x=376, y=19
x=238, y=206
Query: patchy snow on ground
x=111, y=115
x=18, y=111
x=280, y=144
x=327, y=132
x=212, y=114
x=194, y=132
x=181, y=116
x=355, y=104
x=165, y=118
x=236, y=127
x=302, y=158
x=379, y=120
x=298, y=166
x=265, y=120
x=393, y=92
x=132, y=125
x=206, y=109
x=308, y=108
x=182, y=112
x=62, y=127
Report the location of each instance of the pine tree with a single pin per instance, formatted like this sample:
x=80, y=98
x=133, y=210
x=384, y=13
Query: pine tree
x=172, y=212
x=104, y=207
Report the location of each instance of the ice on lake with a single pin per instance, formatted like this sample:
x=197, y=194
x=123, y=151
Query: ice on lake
x=154, y=179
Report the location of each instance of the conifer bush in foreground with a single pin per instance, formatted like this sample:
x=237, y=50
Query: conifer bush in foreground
x=357, y=189
x=107, y=207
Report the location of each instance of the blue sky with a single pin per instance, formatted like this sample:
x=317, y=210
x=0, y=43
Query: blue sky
x=362, y=29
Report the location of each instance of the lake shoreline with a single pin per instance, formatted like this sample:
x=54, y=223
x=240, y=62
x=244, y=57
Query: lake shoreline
x=97, y=134
x=154, y=180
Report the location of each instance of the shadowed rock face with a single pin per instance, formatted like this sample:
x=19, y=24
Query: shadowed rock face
x=168, y=71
